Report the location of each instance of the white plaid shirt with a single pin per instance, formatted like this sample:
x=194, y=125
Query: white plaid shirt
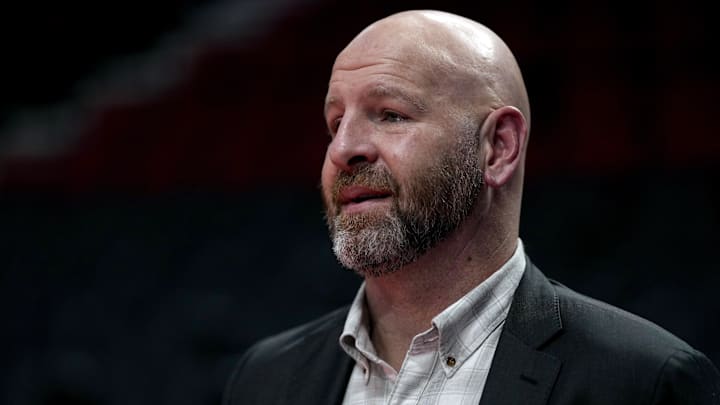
x=448, y=363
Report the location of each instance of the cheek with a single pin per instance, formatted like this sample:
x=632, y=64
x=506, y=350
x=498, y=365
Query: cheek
x=403, y=152
x=413, y=157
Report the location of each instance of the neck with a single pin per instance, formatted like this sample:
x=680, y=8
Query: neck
x=403, y=304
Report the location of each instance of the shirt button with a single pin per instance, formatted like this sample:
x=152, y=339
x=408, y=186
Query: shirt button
x=450, y=361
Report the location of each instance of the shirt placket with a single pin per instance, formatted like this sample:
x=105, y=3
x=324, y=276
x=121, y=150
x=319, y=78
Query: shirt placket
x=417, y=369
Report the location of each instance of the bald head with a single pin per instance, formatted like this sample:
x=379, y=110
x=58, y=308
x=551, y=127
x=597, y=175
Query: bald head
x=428, y=117
x=456, y=55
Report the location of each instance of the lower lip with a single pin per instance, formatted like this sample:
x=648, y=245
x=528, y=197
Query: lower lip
x=354, y=208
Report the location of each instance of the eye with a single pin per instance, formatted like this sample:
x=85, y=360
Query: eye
x=333, y=125
x=392, y=116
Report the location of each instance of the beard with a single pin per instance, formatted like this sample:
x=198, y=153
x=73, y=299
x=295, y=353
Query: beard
x=433, y=203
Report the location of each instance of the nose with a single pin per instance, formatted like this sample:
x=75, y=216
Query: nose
x=352, y=145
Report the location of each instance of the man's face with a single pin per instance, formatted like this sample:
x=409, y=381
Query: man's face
x=402, y=170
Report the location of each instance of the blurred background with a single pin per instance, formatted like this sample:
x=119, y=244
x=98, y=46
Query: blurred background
x=159, y=165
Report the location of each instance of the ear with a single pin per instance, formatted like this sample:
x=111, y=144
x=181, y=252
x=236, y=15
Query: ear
x=504, y=133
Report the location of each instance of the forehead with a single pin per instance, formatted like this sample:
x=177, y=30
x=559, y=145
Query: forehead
x=378, y=88
x=383, y=71
x=393, y=52
x=408, y=55
x=379, y=83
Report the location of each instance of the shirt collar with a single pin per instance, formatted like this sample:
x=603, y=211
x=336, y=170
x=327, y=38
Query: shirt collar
x=355, y=338
x=465, y=325
x=462, y=327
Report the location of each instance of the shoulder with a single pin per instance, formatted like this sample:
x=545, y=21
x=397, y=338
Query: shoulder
x=268, y=367
x=629, y=355
x=612, y=328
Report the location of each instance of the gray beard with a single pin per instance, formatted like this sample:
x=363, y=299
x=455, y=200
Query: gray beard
x=380, y=247
x=433, y=205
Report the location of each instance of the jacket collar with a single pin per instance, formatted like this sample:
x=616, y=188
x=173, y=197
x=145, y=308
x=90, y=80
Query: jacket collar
x=520, y=373
x=326, y=368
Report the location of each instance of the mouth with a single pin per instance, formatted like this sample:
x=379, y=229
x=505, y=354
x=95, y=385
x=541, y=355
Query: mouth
x=355, y=198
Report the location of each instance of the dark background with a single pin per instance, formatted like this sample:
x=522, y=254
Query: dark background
x=159, y=163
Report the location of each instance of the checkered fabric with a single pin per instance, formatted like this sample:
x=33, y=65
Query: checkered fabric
x=448, y=363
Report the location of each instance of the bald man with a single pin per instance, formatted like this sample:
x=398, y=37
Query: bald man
x=422, y=183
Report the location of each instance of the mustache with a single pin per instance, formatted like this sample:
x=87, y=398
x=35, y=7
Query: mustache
x=366, y=175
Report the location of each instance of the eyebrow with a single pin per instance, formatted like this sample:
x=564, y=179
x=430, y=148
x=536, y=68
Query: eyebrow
x=329, y=102
x=385, y=91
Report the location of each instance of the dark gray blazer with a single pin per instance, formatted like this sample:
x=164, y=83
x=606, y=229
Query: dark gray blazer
x=557, y=347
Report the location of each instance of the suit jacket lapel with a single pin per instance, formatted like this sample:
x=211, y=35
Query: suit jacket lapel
x=520, y=373
x=326, y=371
